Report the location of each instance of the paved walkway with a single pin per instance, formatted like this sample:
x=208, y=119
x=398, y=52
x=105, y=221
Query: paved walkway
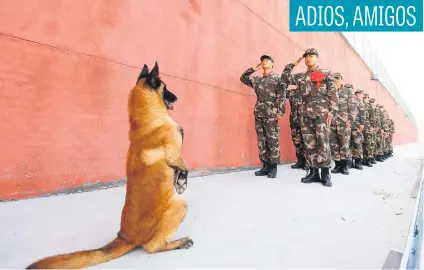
x=237, y=220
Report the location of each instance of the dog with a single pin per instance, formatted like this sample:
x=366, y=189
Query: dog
x=152, y=211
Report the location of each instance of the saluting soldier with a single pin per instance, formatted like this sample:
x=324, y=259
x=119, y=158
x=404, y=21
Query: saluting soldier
x=357, y=129
x=270, y=91
x=319, y=104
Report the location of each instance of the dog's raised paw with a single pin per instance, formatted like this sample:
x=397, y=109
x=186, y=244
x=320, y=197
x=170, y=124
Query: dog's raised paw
x=186, y=243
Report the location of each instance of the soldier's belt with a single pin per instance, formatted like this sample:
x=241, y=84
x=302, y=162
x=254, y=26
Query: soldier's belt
x=313, y=98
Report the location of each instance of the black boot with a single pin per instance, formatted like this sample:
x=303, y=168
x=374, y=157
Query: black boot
x=312, y=177
x=272, y=173
x=358, y=164
x=326, y=177
x=306, y=167
x=264, y=170
x=391, y=154
x=373, y=161
x=368, y=162
x=349, y=163
x=300, y=162
x=383, y=157
x=337, y=168
x=379, y=158
x=343, y=167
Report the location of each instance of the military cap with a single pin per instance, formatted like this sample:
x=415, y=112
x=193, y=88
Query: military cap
x=348, y=85
x=267, y=56
x=310, y=51
x=359, y=91
x=372, y=100
x=366, y=95
x=379, y=105
x=338, y=75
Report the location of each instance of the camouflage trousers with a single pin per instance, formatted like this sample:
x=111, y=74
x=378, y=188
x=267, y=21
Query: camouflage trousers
x=379, y=144
x=340, y=142
x=268, y=132
x=356, y=143
x=386, y=142
x=369, y=143
x=296, y=134
x=316, y=138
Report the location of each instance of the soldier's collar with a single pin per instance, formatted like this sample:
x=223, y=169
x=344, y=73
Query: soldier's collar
x=270, y=73
x=313, y=69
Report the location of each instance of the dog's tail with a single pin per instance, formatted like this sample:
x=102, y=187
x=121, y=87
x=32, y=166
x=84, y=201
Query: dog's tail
x=85, y=258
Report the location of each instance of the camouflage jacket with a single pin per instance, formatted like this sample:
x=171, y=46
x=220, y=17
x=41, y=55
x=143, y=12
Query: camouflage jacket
x=376, y=114
x=384, y=120
x=346, y=107
x=270, y=92
x=317, y=90
x=360, y=114
x=370, y=120
x=295, y=100
x=392, y=125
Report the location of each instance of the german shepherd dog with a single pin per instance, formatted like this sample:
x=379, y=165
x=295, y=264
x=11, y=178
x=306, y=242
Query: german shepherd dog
x=152, y=211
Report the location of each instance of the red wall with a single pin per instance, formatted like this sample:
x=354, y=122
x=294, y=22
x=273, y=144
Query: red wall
x=67, y=66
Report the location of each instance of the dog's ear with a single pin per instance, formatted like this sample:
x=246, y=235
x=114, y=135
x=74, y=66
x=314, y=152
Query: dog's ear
x=153, y=79
x=144, y=73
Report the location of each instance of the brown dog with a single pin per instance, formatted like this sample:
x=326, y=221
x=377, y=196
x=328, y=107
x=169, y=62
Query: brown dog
x=152, y=212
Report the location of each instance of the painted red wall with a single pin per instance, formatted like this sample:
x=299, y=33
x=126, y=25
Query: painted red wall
x=67, y=66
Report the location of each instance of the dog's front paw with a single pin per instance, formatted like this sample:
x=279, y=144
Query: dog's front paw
x=186, y=243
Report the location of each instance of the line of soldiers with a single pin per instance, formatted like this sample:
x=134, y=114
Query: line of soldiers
x=328, y=120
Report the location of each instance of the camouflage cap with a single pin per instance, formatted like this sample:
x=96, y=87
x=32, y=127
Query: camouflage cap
x=359, y=90
x=366, y=95
x=311, y=51
x=337, y=75
x=372, y=100
x=348, y=85
x=267, y=56
x=379, y=105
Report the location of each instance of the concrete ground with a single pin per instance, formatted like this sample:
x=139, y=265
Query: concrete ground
x=237, y=220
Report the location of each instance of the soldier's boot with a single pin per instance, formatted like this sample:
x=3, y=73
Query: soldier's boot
x=326, y=177
x=300, y=164
x=264, y=170
x=343, y=167
x=349, y=163
x=391, y=154
x=337, y=168
x=368, y=162
x=383, y=157
x=306, y=167
x=373, y=161
x=312, y=177
x=272, y=173
x=358, y=164
x=379, y=158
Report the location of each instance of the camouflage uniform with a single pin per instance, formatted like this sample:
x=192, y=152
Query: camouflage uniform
x=295, y=99
x=375, y=126
x=340, y=132
x=386, y=134
x=271, y=95
x=357, y=135
x=319, y=98
x=369, y=135
x=392, y=131
x=380, y=137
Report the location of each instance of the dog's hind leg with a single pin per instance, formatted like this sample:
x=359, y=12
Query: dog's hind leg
x=169, y=224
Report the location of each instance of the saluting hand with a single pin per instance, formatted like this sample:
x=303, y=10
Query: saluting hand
x=361, y=128
x=298, y=61
x=258, y=66
x=329, y=118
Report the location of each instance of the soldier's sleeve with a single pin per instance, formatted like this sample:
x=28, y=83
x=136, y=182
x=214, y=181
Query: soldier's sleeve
x=281, y=96
x=333, y=97
x=361, y=109
x=386, y=124
x=245, y=77
x=351, y=107
x=286, y=76
x=393, y=126
x=381, y=120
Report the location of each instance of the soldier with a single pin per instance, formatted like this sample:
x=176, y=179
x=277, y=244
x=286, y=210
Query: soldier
x=319, y=103
x=271, y=96
x=386, y=134
x=340, y=127
x=380, y=134
x=368, y=132
x=357, y=129
x=375, y=125
x=295, y=99
x=392, y=132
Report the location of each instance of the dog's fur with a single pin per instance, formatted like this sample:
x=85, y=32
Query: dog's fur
x=152, y=212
